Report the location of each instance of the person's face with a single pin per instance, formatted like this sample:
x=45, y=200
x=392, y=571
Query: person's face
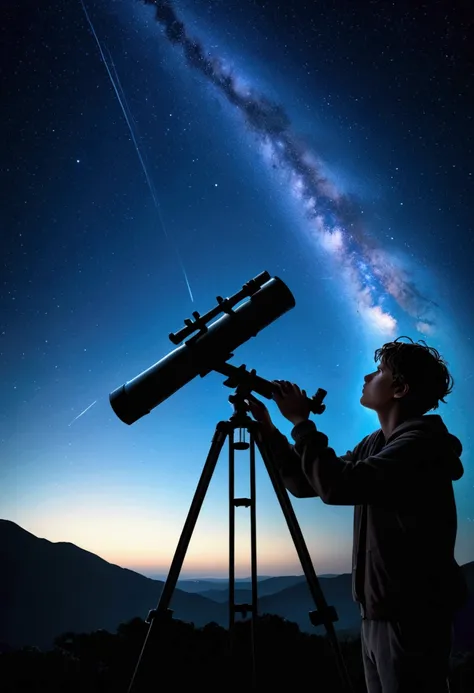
x=379, y=390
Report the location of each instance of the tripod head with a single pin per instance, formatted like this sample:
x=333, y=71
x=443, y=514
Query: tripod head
x=247, y=381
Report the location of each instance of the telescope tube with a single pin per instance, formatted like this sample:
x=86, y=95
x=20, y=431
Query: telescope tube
x=201, y=352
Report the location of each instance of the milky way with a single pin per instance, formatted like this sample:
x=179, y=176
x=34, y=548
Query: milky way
x=370, y=273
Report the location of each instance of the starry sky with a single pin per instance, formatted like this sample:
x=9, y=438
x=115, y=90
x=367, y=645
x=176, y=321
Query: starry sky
x=153, y=162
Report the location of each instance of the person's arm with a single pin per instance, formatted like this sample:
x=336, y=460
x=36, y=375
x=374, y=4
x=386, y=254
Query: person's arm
x=397, y=470
x=288, y=463
x=283, y=455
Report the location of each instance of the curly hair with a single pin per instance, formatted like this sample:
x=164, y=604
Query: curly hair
x=421, y=368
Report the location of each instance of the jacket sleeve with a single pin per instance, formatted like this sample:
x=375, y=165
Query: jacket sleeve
x=288, y=463
x=398, y=470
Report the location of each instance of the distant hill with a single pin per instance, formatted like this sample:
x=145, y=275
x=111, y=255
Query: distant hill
x=200, y=586
x=243, y=590
x=222, y=596
x=49, y=588
x=274, y=585
x=295, y=602
x=266, y=585
x=464, y=621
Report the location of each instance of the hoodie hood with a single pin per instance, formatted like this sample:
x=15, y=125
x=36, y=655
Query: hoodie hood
x=432, y=427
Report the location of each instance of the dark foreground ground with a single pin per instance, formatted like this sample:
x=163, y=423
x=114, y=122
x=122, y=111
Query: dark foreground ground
x=178, y=655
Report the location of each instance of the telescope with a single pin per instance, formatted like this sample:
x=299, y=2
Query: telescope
x=208, y=347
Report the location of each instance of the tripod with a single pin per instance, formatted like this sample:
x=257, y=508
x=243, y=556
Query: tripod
x=324, y=614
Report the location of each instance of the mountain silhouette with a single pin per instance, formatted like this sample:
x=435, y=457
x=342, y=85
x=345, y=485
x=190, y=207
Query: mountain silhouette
x=201, y=586
x=49, y=588
x=289, y=597
x=243, y=590
x=266, y=585
x=295, y=602
x=222, y=596
x=464, y=620
x=274, y=585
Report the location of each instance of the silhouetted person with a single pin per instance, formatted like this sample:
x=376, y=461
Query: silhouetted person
x=405, y=578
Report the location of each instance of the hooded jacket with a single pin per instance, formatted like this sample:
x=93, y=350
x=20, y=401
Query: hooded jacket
x=405, y=520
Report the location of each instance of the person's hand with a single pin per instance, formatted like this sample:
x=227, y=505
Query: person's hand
x=291, y=401
x=260, y=412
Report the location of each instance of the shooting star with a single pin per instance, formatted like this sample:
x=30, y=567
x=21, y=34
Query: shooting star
x=370, y=274
x=83, y=412
x=128, y=118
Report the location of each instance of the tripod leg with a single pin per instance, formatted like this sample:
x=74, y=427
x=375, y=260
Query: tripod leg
x=162, y=609
x=233, y=503
x=231, y=539
x=253, y=550
x=325, y=614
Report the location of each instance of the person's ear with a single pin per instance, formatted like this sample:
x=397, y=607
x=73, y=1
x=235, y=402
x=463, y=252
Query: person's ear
x=401, y=391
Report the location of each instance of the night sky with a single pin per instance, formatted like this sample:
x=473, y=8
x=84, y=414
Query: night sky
x=150, y=165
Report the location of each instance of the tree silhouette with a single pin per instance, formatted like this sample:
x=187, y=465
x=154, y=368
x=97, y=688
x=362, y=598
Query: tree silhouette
x=178, y=654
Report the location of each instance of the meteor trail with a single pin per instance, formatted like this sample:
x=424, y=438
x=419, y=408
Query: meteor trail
x=369, y=274
x=137, y=148
x=83, y=412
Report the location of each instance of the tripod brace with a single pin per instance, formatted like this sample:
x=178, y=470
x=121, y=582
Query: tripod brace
x=240, y=420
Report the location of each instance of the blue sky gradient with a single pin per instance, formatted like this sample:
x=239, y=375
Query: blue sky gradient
x=93, y=286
